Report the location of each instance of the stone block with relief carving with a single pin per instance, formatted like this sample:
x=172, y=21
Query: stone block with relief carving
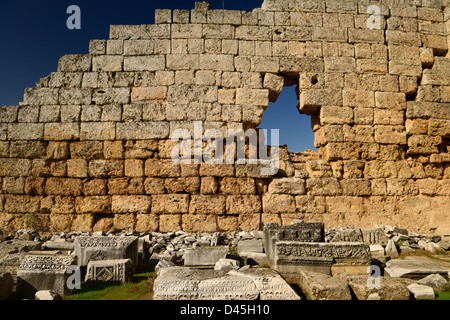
x=109, y=270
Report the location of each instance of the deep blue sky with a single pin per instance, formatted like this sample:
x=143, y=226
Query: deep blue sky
x=33, y=36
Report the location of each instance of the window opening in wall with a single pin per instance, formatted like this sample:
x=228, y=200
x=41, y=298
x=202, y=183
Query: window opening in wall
x=294, y=128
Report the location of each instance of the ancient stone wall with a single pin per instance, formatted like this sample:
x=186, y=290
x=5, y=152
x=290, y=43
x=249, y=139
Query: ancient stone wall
x=90, y=149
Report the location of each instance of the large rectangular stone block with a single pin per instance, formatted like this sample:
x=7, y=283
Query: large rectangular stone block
x=109, y=271
x=301, y=232
x=131, y=204
x=25, y=131
x=293, y=257
x=89, y=248
x=142, y=130
x=170, y=203
x=97, y=131
x=61, y=131
x=144, y=63
x=44, y=272
x=75, y=63
x=207, y=204
x=14, y=167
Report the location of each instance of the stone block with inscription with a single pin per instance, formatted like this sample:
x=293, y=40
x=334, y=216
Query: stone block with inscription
x=43, y=272
x=106, y=248
x=304, y=232
x=291, y=257
x=205, y=256
x=109, y=270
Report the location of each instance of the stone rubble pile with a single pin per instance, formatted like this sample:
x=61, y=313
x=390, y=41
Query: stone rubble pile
x=287, y=253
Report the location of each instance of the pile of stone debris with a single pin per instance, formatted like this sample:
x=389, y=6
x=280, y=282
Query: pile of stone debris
x=281, y=262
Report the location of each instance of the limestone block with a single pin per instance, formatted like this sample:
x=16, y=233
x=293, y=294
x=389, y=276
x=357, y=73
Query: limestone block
x=111, y=96
x=397, y=37
x=97, y=131
x=170, y=203
x=366, y=36
x=162, y=168
x=63, y=186
x=435, y=281
x=107, y=63
x=390, y=289
x=203, y=285
x=124, y=32
x=320, y=286
x=144, y=63
x=209, y=185
x=215, y=170
x=142, y=130
x=105, y=168
x=205, y=256
x=390, y=134
x=423, y=144
x=243, y=204
x=183, y=61
x=312, y=99
x=199, y=223
x=374, y=236
x=358, y=98
x=75, y=63
x=163, y=16
x=89, y=248
x=278, y=203
x=189, y=185
x=229, y=185
x=109, y=271
x=275, y=84
x=254, y=245
x=207, y=204
x=220, y=62
x=294, y=186
x=413, y=269
x=421, y=292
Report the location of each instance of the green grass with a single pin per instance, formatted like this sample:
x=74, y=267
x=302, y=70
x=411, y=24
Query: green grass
x=139, y=288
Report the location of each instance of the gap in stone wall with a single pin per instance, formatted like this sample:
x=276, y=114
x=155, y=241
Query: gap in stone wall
x=294, y=128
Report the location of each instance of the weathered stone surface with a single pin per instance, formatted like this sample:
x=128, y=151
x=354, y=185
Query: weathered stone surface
x=270, y=284
x=47, y=295
x=227, y=265
x=106, y=248
x=348, y=235
x=435, y=281
x=6, y=285
x=377, y=129
x=43, y=272
x=109, y=270
x=319, y=286
x=273, y=233
x=413, y=269
x=204, y=256
x=254, y=245
x=388, y=289
x=190, y=284
x=375, y=236
x=391, y=249
x=292, y=257
x=421, y=292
